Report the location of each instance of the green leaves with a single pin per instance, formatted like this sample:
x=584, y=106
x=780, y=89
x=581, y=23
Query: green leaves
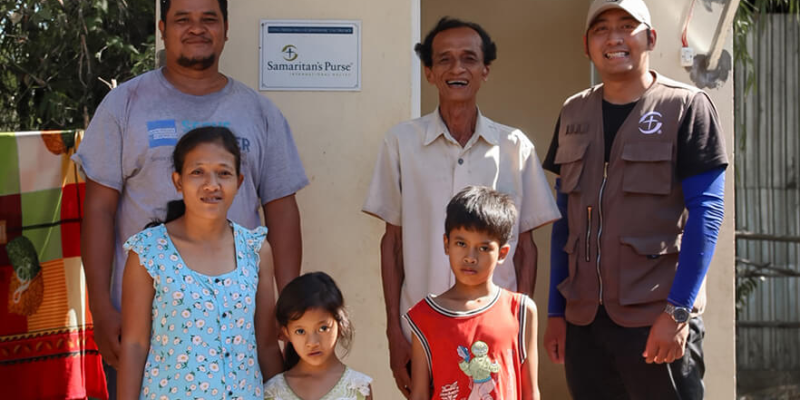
x=53, y=54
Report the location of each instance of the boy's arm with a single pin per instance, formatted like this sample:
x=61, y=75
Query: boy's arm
x=137, y=304
x=530, y=368
x=420, y=378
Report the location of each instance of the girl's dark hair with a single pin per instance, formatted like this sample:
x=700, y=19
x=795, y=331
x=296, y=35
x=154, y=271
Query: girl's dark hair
x=187, y=143
x=308, y=291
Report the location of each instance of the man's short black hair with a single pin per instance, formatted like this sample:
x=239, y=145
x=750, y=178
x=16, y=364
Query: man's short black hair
x=425, y=49
x=482, y=209
x=165, y=4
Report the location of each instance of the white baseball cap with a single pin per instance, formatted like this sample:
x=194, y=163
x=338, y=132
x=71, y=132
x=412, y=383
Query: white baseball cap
x=636, y=8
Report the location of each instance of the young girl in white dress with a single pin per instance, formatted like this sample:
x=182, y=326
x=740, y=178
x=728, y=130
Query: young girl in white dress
x=311, y=314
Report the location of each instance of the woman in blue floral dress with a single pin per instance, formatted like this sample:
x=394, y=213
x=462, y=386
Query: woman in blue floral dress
x=197, y=290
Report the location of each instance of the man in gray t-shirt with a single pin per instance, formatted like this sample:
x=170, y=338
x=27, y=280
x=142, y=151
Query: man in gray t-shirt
x=126, y=154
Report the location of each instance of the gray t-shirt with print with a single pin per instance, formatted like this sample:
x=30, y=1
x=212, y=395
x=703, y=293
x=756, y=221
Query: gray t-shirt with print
x=128, y=147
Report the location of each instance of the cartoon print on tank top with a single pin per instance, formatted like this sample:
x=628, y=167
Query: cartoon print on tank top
x=479, y=369
x=449, y=392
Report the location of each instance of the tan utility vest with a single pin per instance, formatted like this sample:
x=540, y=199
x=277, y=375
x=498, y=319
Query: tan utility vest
x=626, y=218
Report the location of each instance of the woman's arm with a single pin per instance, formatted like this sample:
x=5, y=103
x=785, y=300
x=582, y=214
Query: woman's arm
x=269, y=354
x=370, y=393
x=137, y=305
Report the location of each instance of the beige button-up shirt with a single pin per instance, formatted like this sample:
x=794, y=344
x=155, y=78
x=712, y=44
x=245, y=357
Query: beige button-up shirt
x=420, y=167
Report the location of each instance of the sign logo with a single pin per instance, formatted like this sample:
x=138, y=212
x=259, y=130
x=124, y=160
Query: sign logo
x=650, y=123
x=290, y=51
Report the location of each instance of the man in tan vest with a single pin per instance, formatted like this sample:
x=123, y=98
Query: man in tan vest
x=641, y=160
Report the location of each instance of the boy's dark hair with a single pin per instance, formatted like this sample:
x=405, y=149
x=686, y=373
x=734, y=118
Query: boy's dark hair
x=187, y=143
x=425, y=48
x=308, y=291
x=479, y=208
x=165, y=4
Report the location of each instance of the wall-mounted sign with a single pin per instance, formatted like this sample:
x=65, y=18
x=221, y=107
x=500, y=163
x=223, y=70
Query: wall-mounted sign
x=310, y=55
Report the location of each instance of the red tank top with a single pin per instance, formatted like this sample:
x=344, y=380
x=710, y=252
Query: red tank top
x=474, y=354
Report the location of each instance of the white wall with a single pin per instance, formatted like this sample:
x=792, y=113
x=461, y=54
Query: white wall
x=338, y=135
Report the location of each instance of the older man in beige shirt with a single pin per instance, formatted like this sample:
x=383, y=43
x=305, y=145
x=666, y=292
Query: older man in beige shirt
x=424, y=162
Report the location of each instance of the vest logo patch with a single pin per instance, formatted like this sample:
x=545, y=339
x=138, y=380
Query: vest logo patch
x=650, y=123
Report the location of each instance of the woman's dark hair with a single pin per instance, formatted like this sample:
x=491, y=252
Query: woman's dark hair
x=309, y=291
x=187, y=143
x=425, y=48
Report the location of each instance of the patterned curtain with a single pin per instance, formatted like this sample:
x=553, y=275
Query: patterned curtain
x=47, y=348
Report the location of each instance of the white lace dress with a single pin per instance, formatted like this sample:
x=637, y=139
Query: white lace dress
x=353, y=385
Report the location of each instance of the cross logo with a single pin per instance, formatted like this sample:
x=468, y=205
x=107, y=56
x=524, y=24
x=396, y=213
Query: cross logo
x=650, y=123
x=290, y=52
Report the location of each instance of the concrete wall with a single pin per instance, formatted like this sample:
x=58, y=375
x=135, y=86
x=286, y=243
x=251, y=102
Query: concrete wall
x=540, y=63
x=338, y=135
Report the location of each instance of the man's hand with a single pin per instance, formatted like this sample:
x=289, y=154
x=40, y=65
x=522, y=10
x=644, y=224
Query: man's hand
x=399, y=357
x=555, y=337
x=667, y=340
x=107, y=330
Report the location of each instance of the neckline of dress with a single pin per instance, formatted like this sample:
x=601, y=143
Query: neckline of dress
x=186, y=265
x=336, y=385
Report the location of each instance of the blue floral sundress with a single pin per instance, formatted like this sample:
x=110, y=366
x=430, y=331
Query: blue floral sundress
x=202, y=340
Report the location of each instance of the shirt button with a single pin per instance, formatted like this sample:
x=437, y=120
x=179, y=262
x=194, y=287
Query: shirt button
x=460, y=161
x=224, y=315
x=216, y=280
x=230, y=393
x=227, y=354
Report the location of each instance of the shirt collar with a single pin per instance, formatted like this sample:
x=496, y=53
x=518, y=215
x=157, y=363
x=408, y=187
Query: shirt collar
x=483, y=127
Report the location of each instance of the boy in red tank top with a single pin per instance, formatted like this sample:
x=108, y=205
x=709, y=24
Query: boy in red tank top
x=476, y=341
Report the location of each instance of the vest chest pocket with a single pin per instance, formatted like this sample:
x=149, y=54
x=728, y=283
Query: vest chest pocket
x=570, y=158
x=647, y=268
x=648, y=168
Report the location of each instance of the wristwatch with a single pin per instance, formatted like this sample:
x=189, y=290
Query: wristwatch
x=678, y=314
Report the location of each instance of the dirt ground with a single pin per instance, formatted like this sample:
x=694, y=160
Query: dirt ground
x=784, y=392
